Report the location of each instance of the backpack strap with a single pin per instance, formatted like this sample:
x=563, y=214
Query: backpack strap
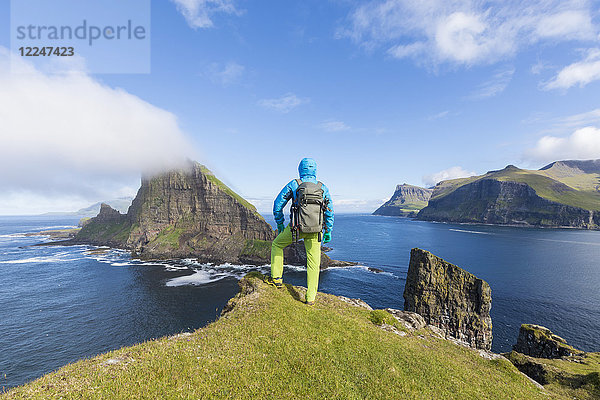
x=294, y=195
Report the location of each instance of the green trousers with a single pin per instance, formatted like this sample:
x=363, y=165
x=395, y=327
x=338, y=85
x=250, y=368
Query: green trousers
x=313, y=259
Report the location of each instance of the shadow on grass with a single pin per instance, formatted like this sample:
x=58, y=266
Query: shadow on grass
x=296, y=295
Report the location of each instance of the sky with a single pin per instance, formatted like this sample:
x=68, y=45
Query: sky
x=379, y=93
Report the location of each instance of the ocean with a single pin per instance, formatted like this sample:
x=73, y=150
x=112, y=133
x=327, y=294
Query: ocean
x=61, y=304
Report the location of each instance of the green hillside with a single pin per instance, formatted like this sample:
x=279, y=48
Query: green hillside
x=574, y=188
x=271, y=345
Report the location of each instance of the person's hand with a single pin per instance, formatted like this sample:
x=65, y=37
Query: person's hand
x=280, y=228
x=327, y=237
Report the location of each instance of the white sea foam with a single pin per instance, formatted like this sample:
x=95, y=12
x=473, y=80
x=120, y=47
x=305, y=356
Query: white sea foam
x=32, y=260
x=468, y=231
x=197, y=278
x=12, y=235
x=46, y=228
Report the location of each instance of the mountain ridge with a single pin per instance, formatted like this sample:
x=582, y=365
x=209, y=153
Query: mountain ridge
x=561, y=194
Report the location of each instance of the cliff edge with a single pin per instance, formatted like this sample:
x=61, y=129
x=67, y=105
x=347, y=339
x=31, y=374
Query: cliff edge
x=406, y=201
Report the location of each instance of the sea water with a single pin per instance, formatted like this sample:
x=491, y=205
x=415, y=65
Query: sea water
x=60, y=304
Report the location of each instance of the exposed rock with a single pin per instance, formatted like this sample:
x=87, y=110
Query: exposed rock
x=579, y=372
x=406, y=201
x=410, y=320
x=538, y=341
x=186, y=212
x=356, y=302
x=56, y=234
x=84, y=221
x=450, y=298
x=295, y=254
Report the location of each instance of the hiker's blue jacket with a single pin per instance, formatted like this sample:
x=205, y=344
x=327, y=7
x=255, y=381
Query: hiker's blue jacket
x=308, y=173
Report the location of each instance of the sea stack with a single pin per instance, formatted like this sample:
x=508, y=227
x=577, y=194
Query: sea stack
x=185, y=212
x=406, y=201
x=450, y=298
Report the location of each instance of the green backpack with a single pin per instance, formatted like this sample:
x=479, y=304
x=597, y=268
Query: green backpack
x=308, y=208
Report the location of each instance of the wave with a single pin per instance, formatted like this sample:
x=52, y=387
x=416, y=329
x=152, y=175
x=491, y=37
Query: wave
x=12, y=235
x=46, y=259
x=468, y=231
x=197, y=278
x=46, y=228
x=366, y=269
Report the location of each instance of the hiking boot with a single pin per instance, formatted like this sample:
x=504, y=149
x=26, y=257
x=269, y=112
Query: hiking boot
x=277, y=282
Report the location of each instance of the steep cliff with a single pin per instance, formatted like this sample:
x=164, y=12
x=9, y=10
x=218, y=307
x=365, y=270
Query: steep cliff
x=449, y=298
x=560, y=195
x=186, y=212
x=406, y=201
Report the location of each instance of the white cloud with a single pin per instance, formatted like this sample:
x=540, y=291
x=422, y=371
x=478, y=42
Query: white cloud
x=334, y=126
x=226, y=74
x=283, y=104
x=466, y=32
x=580, y=119
x=582, y=144
x=70, y=136
x=450, y=173
x=439, y=115
x=494, y=86
x=199, y=13
x=579, y=73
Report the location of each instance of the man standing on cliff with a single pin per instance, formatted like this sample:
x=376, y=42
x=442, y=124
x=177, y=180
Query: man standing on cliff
x=302, y=193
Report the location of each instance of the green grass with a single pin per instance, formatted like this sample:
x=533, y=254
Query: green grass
x=577, y=191
x=573, y=377
x=552, y=189
x=257, y=248
x=271, y=345
x=106, y=231
x=211, y=177
x=168, y=237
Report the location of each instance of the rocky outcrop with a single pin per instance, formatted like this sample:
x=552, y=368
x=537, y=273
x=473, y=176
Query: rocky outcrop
x=185, y=212
x=406, y=201
x=495, y=201
x=449, y=298
x=549, y=360
x=189, y=212
x=538, y=341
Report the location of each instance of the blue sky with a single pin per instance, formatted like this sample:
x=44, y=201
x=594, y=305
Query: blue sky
x=378, y=92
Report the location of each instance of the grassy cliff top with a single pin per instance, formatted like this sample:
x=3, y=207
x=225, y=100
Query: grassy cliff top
x=574, y=189
x=211, y=177
x=271, y=345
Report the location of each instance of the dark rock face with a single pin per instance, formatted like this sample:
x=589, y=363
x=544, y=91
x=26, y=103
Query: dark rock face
x=108, y=214
x=295, y=254
x=449, y=298
x=538, y=341
x=181, y=213
x=406, y=201
x=189, y=212
x=505, y=202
